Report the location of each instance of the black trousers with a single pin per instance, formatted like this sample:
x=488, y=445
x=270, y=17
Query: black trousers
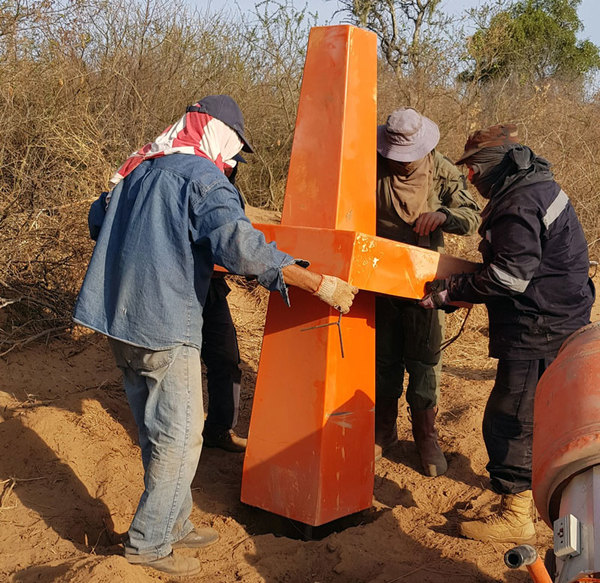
x=221, y=356
x=508, y=423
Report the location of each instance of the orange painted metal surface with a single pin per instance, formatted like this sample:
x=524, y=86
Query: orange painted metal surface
x=310, y=442
x=311, y=436
x=566, y=426
x=331, y=179
x=310, y=450
x=370, y=263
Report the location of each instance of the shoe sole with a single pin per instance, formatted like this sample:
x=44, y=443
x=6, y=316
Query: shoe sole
x=432, y=471
x=180, y=545
x=512, y=541
x=189, y=573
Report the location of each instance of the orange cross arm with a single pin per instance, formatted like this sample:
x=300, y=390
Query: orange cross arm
x=311, y=437
x=368, y=262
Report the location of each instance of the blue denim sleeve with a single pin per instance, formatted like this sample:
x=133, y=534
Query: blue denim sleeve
x=96, y=215
x=217, y=219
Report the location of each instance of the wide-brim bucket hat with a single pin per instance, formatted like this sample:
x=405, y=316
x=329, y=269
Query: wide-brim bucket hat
x=225, y=109
x=407, y=136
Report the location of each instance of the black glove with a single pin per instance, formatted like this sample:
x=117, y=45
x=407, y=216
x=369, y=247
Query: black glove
x=436, y=296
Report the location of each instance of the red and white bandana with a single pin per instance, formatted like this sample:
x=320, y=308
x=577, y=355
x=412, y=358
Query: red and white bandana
x=198, y=134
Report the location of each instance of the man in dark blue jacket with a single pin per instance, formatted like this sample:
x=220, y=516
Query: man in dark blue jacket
x=534, y=282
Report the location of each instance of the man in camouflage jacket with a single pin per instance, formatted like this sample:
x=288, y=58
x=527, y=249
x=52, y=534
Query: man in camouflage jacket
x=420, y=196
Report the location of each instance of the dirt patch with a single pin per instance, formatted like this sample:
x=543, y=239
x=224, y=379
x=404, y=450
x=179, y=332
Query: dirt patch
x=71, y=476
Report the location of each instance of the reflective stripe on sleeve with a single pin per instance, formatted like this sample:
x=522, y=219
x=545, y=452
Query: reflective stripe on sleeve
x=510, y=281
x=558, y=205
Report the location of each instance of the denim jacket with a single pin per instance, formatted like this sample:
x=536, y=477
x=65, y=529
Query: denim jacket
x=158, y=239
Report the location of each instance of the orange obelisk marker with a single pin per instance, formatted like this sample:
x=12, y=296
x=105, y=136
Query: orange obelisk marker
x=311, y=438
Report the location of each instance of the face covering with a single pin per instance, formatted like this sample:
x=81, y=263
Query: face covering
x=408, y=184
x=497, y=169
x=487, y=167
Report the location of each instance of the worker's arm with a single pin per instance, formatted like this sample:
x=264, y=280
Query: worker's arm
x=303, y=278
x=515, y=250
x=456, y=212
x=461, y=210
x=218, y=220
x=332, y=290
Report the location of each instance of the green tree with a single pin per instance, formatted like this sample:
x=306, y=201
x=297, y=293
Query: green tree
x=530, y=40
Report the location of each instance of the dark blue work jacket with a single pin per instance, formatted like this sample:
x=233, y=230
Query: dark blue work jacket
x=534, y=279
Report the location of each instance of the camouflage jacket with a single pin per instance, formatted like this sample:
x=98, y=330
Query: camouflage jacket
x=448, y=194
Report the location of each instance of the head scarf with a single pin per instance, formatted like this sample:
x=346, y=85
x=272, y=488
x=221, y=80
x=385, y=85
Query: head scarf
x=489, y=165
x=500, y=168
x=198, y=134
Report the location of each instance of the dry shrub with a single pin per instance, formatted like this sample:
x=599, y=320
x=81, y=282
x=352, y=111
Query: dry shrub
x=84, y=83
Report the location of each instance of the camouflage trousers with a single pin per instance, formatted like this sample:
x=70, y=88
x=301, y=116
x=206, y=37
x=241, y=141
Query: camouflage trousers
x=408, y=340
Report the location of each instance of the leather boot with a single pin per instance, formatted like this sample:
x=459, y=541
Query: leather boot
x=511, y=524
x=198, y=538
x=171, y=564
x=426, y=439
x=228, y=440
x=386, y=432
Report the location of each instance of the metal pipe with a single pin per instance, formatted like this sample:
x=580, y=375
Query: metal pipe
x=519, y=556
x=527, y=555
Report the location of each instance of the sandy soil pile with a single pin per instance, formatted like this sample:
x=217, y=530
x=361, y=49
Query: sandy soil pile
x=71, y=476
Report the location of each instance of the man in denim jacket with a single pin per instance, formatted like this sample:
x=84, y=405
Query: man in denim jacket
x=171, y=216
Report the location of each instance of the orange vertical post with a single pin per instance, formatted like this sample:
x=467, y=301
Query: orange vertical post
x=311, y=437
x=310, y=443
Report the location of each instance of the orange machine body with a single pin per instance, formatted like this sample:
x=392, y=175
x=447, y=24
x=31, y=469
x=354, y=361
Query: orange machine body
x=566, y=430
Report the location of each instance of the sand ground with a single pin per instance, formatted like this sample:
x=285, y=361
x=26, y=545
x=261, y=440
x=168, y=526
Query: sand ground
x=71, y=476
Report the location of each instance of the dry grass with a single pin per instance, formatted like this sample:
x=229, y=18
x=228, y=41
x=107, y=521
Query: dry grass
x=84, y=86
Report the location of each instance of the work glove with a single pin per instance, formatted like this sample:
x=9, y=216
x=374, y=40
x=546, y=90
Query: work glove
x=336, y=292
x=436, y=296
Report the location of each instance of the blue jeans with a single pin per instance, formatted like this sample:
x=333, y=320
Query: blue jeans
x=164, y=390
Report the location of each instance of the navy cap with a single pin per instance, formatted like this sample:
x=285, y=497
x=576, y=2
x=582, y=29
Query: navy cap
x=225, y=109
x=240, y=158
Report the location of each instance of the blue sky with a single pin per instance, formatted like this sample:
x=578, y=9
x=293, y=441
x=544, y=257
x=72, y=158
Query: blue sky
x=589, y=11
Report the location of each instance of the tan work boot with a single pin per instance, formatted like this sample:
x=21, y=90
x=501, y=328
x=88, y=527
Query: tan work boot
x=386, y=432
x=198, y=538
x=228, y=440
x=426, y=439
x=172, y=565
x=512, y=523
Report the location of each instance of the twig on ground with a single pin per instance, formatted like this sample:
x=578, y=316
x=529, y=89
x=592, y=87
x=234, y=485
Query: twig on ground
x=9, y=486
x=236, y=545
x=22, y=343
x=421, y=568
